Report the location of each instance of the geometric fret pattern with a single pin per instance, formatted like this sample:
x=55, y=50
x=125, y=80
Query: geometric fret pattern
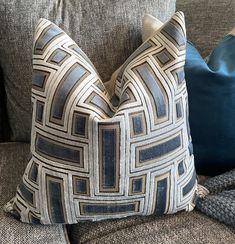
x=92, y=159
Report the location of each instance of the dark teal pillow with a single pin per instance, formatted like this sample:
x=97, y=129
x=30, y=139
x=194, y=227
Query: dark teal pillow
x=211, y=90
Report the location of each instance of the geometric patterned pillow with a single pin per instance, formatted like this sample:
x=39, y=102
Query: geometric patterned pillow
x=92, y=159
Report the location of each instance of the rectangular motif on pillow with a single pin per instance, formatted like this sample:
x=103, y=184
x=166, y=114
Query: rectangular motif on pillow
x=92, y=160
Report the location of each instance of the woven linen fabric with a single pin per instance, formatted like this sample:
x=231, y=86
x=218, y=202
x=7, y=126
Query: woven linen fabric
x=207, y=21
x=181, y=228
x=107, y=30
x=93, y=161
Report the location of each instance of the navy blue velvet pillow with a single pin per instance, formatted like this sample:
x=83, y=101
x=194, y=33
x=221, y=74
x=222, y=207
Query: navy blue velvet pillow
x=211, y=90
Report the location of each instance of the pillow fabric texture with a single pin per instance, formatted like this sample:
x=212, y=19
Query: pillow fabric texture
x=91, y=160
x=211, y=89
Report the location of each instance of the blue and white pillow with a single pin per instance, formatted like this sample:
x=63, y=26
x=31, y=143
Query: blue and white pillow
x=92, y=160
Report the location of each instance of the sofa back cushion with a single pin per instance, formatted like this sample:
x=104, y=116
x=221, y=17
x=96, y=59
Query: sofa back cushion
x=108, y=31
x=207, y=21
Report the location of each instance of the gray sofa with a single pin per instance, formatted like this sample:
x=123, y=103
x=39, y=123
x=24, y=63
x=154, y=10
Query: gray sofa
x=108, y=31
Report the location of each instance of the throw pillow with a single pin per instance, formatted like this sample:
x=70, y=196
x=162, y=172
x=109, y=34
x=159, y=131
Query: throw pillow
x=211, y=88
x=91, y=160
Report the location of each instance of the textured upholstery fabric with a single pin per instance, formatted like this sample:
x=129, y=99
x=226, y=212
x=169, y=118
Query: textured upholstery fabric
x=4, y=128
x=91, y=160
x=107, y=30
x=182, y=228
x=13, y=159
x=211, y=91
x=207, y=21
x=220, y=202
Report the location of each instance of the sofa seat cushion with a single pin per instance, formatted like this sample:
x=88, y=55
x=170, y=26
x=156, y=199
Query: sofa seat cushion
x=13, y=231
x=190, y=228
